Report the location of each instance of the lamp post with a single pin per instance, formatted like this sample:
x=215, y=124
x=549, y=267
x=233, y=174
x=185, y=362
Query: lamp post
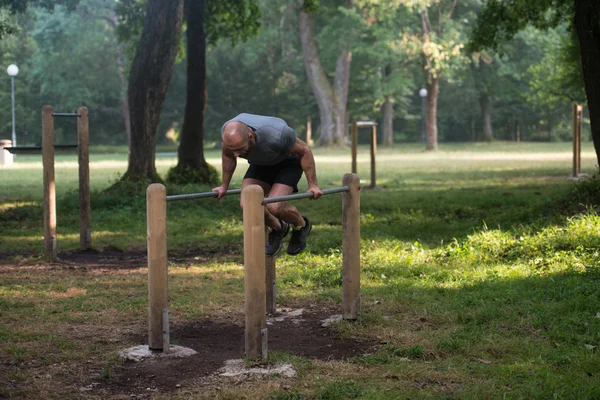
x=13, y=70
x=423, y=94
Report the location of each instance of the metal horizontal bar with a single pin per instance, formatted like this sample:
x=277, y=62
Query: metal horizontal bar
x=66, y=115
x=200, y=195
x=306, y=195
x=361, y=124
x=38, y=149
x=24, y=150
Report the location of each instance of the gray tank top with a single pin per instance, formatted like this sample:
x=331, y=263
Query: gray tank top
x=274, y=139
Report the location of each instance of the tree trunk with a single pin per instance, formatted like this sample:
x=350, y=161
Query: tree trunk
x=332, y=101
x=148, y=82
x=587, y=24
x=486, y=115
x=191, y=147
x=388, y=114
x=122, y=80
x=341, y=83
x=433, y=89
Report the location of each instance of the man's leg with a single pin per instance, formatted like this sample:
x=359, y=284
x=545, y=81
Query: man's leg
x=284, y=210
x=270, y=221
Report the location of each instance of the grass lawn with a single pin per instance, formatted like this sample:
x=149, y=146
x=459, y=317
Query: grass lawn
x=480, y=279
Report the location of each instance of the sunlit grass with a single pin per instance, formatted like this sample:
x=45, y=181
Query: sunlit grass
x=480, y=276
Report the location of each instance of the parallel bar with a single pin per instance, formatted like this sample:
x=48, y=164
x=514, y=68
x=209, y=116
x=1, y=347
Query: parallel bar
x=66, y=115
x=200, y=195
x=38, y=149
x=306, y=195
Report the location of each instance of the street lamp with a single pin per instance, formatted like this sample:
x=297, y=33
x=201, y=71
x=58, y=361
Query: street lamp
x=423, y=94
x=13, y=70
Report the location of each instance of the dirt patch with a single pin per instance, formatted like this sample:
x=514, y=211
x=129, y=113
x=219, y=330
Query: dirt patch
x=219, y=341
x=216, y=339
x=114, y=259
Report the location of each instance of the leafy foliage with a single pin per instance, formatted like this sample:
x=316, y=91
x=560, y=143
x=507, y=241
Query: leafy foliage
x=501, y=20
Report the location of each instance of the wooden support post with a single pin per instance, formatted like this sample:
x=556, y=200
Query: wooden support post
x=579, y=123
x=49, y=182
x=254, y=276
x=577, y=110
x=354, y=145
x=351, y=248
x=158, y=324
x=270, y=280
x=373, y=152
x=85, y=219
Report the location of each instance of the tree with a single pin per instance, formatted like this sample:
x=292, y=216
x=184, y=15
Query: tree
x=223, y=19
x=440, y=48
x=379, y=55
x=332, y=99
x=500, y=20
x=86, y=37
x=149, y=79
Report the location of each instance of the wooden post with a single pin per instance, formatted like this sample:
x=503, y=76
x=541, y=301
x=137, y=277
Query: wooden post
x=576, y=140
x=308, y=131
x=579, y=125
x=373, y=152
x=254, y=276
x=270, y=280
x=49, y=182
x=158, y=324
x=354, y=145
x=351, y=248
x=85, y=219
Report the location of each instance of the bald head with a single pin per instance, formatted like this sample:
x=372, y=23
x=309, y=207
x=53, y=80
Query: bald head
x=237, y=137
x=235, y=134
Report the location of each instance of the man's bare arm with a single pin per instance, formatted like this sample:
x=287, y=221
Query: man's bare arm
x=229, y=162
x=307, y=161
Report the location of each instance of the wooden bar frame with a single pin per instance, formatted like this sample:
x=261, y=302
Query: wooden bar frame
x=83, y=158
x=351, y=248
x=49, y=181
x=373, y=147
x=158, y=321
x=255, y=304
x=259, y=270
x=577, y=121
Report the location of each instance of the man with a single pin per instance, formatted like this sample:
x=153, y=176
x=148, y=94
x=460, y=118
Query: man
x=277, y=159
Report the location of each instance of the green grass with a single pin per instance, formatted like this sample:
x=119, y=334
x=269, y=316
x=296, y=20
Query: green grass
x=480, y=275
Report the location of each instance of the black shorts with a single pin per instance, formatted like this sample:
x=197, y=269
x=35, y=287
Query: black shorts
x=288, y=172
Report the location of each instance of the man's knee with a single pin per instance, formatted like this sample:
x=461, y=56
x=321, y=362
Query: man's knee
x=277, y=209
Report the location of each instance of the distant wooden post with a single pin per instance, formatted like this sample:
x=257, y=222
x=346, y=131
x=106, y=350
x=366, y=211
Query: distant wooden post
x=270, y=280
x=577, y=118
x=373, y=152
x=85, y=219
x=308, y=131
x=351, y=248
x=49, y=182
x=158, y=322
x=354, y=145
x=254, y=276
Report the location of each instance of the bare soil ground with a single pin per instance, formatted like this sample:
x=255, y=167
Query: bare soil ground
x=216, y=339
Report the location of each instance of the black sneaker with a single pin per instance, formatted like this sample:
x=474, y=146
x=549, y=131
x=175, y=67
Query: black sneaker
x=298, y=239
x=276, y=239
